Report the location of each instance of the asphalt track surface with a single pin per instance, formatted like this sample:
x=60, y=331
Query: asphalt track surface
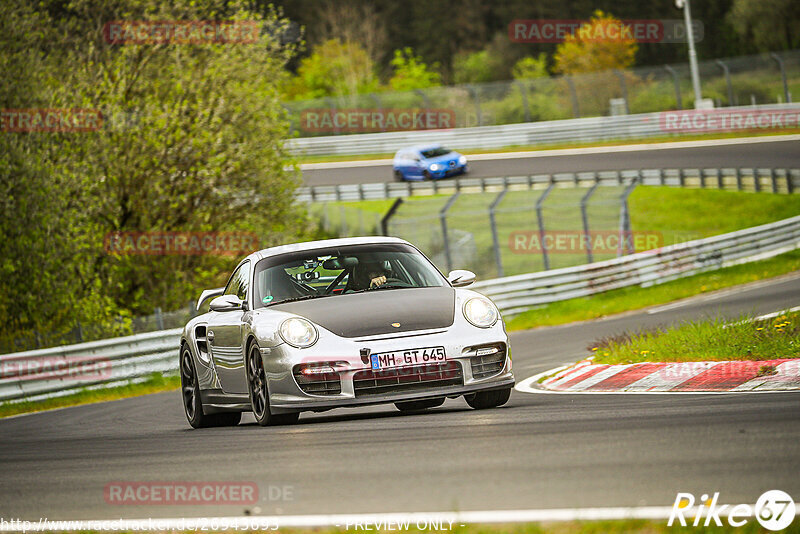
x=539, y=451
x=779, y=154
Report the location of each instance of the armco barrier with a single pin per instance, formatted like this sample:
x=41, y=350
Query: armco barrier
x=135, y=356
x=739, y=179
x=514, y=294
x=586, y=130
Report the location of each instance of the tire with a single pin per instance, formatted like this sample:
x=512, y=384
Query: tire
x=426, y=175
x=417, y=406
x=192, y=404
x=398, y=176
x=488, y=399
x=259, y=395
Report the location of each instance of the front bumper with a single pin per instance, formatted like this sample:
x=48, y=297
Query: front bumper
x=459, y=343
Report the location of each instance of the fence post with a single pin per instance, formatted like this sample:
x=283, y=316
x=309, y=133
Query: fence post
x=774, y=180
x=782, y=67
x=445, y=238
x=389, y=214
x=332, y=106
x=676, y=82
x=476, y=98
x=540, y=223
x=524, y=92
x=495, y=240
x=159, y=319
x=720, y=184
x=625, y=218
x=726, y=71
x=576, y=109
x=738, y=178
x=585, y=218
x=343, y=231
x=789, y=183
x=756, y=180
x=624, y=87
x=379, y=107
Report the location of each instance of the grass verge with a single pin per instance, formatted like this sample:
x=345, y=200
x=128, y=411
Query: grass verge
x=710, y=340
x=634, y=298
x=154, y=384
x=557, y=146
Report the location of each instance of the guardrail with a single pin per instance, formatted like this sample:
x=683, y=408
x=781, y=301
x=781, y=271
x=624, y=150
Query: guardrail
x=591, y=129
x=514, y=294
x=50, y=371
x=774, y=180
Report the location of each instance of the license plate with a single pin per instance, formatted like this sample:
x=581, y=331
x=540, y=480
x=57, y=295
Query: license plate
x=401, y=358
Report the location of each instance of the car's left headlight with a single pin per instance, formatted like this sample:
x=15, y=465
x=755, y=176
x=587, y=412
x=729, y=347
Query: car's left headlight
x=480, y=312
x=462, y=160
x=435, y=167
x=298, y=332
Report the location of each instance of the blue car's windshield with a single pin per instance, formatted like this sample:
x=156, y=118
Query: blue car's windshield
x=435, y=152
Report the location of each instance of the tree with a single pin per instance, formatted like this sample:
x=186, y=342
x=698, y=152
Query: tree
x=601, y=44
x=529, y=68
x=410, y=72
x=335, y=68
x=203, y=153
x=770, y=24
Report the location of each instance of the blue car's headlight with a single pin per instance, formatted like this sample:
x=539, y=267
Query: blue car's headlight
x=435, y=167
x=462, y=160
x=298, y=332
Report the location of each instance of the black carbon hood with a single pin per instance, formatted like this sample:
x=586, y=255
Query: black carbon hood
x=372, y=313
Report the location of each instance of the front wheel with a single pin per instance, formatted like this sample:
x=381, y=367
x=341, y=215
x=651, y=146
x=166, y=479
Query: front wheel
x=488, y=399
x=192, y=405
x=259, y=395
x=398, y=176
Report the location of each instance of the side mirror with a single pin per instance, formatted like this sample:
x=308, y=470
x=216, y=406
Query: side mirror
x=461, y=278
x=207, y=294
x=226, y=303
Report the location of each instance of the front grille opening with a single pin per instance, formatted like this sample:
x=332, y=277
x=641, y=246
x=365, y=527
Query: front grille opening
x=317, y=383
x=487, y=365
x=399, y=379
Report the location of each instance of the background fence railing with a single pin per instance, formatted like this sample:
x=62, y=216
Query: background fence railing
x=738, y=81
x=638, y=126
x=133, y=357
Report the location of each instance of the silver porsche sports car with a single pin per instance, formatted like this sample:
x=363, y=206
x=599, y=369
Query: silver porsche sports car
x=341, y=322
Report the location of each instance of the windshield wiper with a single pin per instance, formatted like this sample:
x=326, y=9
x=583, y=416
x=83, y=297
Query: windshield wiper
x=295, y=299
x=385, y=286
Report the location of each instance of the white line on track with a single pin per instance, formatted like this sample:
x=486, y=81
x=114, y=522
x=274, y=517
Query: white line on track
x=544, y=153
x=349, y=520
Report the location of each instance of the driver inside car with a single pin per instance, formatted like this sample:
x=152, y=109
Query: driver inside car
x=367, y=276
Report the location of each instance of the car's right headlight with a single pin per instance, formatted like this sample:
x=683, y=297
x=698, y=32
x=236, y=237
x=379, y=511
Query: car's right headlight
x=435, y=167
x=480, y=312
x=298, y=332
x=462, y=160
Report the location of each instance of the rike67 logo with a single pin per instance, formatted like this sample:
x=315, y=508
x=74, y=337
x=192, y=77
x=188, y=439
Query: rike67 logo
x=774, y=510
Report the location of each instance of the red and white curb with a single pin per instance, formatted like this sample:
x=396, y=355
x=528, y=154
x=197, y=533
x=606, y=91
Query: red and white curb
x=678, y=377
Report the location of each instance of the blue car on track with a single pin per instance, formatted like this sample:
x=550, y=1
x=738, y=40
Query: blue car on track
x=427, y=162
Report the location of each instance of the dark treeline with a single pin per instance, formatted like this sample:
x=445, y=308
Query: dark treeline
x=440, y=30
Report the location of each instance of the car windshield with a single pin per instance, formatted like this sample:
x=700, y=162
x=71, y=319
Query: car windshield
x=342, y=270
x=435, y=152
